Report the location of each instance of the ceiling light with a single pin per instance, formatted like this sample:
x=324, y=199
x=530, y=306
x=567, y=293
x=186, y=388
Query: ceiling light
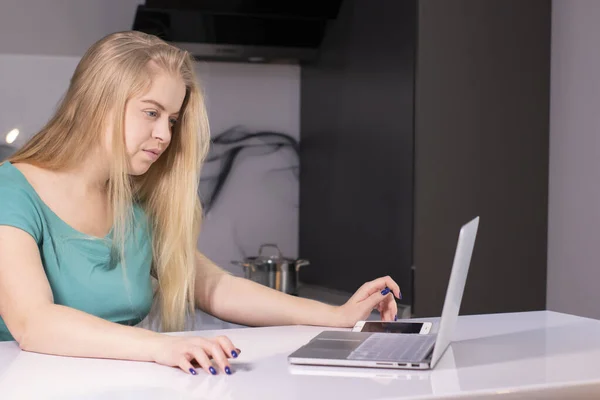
x=12, y=136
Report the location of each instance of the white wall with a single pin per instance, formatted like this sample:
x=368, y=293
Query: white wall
x=574, y=191
x=259, y=203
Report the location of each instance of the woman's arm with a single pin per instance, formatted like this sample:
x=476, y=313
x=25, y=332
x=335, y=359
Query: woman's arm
x=246, y=302
x=38, y=325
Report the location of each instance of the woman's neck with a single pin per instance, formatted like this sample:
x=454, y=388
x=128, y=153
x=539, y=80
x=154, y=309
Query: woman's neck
x=90, y=177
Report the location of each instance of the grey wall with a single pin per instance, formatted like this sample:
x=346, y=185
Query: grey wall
x=574, y=191
x=60, y=27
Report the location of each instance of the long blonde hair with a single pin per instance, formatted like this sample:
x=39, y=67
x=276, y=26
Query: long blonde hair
x=111, y=72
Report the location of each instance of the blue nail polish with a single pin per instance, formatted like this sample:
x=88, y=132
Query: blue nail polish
x=192, y=371
x=385, y=291
x=212, y=371
x=234, y=354
x=395, y=318
x=227, y=371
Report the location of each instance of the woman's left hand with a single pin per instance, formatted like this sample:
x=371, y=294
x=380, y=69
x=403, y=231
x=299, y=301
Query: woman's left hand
x=377, y=294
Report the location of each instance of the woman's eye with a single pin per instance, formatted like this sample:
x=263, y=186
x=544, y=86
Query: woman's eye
x=173, y=121
x=152, y=114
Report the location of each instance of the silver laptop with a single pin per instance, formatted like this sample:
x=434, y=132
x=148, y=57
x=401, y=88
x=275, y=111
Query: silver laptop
x=393, y=350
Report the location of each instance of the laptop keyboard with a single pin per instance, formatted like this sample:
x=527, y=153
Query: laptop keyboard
x=394, y=347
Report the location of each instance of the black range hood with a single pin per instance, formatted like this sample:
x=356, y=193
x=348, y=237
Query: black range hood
x=263, y=31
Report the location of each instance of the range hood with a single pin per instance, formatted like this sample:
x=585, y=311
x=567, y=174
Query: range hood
x=262, y=31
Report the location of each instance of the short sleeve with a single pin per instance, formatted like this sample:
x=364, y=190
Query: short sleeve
x=19, y=209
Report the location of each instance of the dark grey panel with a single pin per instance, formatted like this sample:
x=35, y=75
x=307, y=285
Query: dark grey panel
x=482, y=116
x=356, y=197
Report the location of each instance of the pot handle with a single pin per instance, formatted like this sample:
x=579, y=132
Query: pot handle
x=301, y=263
x=244, y=265
x=272, y=246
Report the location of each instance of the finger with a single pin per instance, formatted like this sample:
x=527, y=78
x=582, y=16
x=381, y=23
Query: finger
x=375, y=299
x=362, y=293
x=383, y=306
x=389, y=308
x=202, y=359
x=386, y=309
x=227, y=346
x=186, y=366
x=202, y=342
x=394, y=312
x=391, y=313
x=218, y=355
x=369, y=288
x=381, y=284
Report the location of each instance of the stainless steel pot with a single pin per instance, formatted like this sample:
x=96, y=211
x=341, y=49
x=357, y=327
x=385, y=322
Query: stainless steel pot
x=274, y=271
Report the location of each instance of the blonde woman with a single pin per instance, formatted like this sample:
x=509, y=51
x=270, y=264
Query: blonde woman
x=104, y=198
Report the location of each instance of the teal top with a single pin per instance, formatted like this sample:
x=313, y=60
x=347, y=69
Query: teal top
x=82, y=270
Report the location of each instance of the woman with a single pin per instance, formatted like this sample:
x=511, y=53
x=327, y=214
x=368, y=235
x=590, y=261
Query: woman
x=102, y=202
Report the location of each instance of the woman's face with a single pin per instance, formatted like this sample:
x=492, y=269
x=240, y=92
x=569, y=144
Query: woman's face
x=149, y=121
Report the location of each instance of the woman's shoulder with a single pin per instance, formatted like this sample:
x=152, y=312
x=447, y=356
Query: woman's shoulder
x=19, y=204
x=14, y=183
x=9, y=174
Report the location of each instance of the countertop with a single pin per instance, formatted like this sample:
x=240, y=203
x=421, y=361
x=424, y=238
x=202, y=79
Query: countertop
x=515, y=356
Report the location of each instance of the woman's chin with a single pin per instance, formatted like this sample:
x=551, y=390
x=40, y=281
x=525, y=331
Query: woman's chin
x=139, y=169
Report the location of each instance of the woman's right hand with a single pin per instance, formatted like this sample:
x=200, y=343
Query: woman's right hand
x=181, y=351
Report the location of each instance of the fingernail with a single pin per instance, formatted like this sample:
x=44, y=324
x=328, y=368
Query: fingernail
x=234, y=354
x=395, y=318
x=227, y=371
x=385, y=291
x=400, y=298
x=192, y=371
x=212, y=371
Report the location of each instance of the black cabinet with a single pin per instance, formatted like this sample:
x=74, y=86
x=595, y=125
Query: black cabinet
x=418, y=116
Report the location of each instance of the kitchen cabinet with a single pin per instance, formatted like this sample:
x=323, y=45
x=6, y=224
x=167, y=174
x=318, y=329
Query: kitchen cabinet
x=418, y=116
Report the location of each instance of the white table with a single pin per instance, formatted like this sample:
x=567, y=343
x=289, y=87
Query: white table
x=505, y=355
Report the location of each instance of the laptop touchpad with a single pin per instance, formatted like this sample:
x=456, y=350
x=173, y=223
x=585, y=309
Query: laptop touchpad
x=334, y=344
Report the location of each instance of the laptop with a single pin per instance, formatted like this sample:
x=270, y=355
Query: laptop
x=394, y=350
